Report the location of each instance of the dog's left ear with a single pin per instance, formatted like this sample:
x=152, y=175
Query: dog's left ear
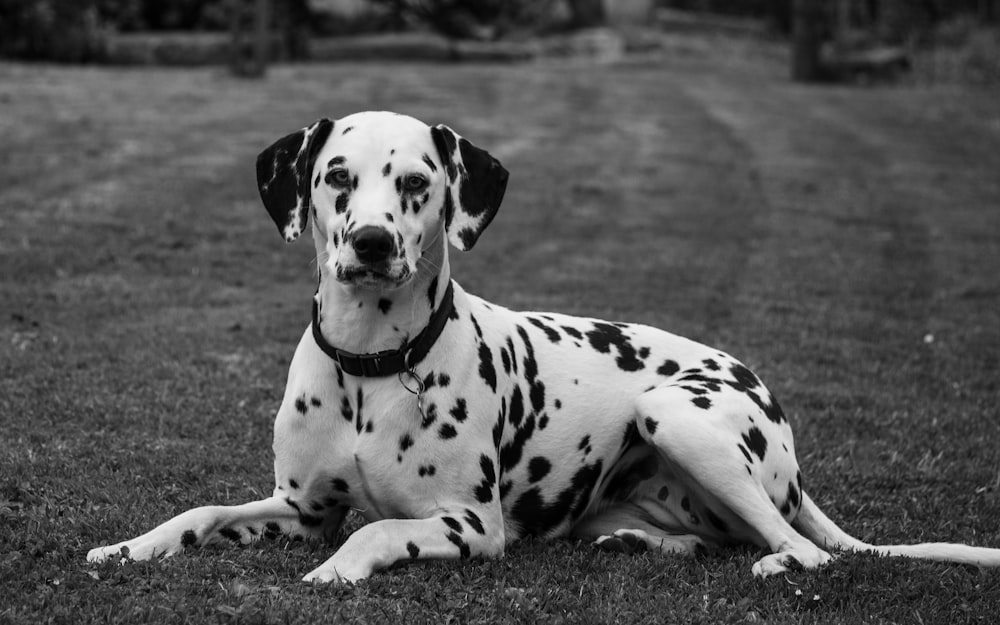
x=283, y=172
x=476, y=184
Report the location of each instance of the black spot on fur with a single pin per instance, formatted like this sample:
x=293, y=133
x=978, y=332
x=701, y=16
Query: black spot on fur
x=484, y=492
x=498, y=426
x=669, y=367
x=444, y=380
x=293, y=483
x=651, y=425
x=663, y=493
x=271, y=530
x=430, y=380
x=413, y=550
x=702, y=402
x=387, y=169
x=405, y=442
x=710, y=364
x=463, y=547
x=432, y=292
x=189, y=538
x=552, y=334
x=744, y=377
x=473, y=520
x=430, y=416
x=340, y=204
x=453, y=524
x=584, y=442
x=510, y=454
x=447, y=431
x=486, y=369
x=605, y=335
x=538, y=468
x=572, y=332
x=756, y=442
x=385, y=305
x=345, y=410
x=686, y=504
x=316, y=403
x=229, y=534
x=538, y=518
x=300, y=405
x=745, y=452
x=340, y=485
x=427, y=161
x=360, y=402
x=793, y=495
x=460, y=412
x=516, y=413
x=505, y=360
x=513, y=354
x=467, y=236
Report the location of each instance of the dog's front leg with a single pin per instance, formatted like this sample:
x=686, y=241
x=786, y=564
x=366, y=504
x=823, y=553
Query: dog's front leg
x=381, y=544
x=198, y=527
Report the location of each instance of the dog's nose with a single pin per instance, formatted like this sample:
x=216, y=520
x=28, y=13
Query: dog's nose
x=372, y=244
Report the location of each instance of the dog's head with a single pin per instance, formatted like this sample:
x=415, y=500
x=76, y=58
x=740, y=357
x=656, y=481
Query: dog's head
x=381, y=189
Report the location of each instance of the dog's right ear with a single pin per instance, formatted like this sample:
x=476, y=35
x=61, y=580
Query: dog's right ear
x=283, y=172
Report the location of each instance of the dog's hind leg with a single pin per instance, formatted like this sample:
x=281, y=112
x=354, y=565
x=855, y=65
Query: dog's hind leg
x=735, y=457
x=242, y=524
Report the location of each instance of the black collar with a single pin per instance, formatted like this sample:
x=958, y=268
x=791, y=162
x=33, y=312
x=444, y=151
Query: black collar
x=390, y=361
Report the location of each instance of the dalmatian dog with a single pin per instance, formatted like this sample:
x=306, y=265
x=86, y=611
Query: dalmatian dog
x=455, y=425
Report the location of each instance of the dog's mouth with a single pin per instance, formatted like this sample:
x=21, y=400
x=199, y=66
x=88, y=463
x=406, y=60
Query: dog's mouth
x=373, y=277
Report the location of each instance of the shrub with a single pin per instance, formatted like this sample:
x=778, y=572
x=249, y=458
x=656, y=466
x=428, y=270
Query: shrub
x=59, y=30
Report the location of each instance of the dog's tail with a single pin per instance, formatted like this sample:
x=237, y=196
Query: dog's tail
x=817, y=527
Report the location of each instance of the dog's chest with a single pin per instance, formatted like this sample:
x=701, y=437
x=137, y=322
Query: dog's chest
x=368, y=443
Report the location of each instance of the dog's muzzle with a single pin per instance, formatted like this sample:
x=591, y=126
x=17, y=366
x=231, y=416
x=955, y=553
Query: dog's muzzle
x=378, y=260
x=373, y=245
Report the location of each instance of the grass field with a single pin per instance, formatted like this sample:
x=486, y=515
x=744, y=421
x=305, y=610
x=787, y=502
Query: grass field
x=844, y=243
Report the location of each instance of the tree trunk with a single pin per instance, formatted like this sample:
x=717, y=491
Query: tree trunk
x=248, y=28
x=806, y=39
x=587, y=13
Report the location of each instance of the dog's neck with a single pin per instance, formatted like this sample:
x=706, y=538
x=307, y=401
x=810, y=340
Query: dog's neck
x=362, y=320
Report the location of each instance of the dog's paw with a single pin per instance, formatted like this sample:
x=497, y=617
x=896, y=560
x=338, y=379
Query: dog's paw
x=103, y=554
x=637, y=541
x=331, y=575
x=622, y=541
x=793, y=560
x=137, y=549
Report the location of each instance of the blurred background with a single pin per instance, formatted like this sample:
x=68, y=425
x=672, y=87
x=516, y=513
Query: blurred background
x=932, y=40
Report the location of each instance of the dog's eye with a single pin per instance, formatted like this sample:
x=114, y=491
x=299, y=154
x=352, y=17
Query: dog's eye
x=338, y=177
x=415, y=183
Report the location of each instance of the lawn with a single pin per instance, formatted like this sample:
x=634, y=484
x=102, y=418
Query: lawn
x=843, y=242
